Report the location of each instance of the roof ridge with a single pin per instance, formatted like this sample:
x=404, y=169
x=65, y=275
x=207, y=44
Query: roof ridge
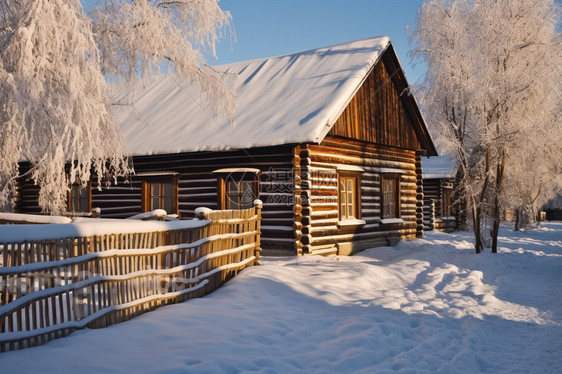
x=302, y=52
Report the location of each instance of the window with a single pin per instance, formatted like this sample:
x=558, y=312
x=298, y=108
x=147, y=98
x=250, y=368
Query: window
x=161, y=196
x=446, y=202
x=79, y=198
x=348, y=196
x=237, y=188
x=160, y=193
x=239, y=194
x=390, y=191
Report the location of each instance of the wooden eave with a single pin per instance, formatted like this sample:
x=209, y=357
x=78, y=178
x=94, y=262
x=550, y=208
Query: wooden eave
x=398, y=78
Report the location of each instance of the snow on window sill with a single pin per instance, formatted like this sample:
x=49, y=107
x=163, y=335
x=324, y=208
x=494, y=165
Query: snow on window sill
x=351, y=222
x=350, y=168
x=391, y=171
x=387, y=221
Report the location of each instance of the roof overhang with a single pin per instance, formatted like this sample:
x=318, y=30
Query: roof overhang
x=409, y=101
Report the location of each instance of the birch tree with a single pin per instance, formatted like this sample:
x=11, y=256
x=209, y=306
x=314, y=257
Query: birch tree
x=494, y=67
x=55, y=61
x=535, y=175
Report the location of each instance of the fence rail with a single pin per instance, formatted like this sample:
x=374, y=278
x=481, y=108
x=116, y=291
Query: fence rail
x=49, y=288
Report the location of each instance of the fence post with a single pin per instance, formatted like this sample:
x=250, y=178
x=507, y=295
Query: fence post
x=96, y=212
x=258, y=205
x=203, y=213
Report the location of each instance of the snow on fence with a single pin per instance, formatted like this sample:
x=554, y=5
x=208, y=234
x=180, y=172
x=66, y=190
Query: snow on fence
x=51, y=287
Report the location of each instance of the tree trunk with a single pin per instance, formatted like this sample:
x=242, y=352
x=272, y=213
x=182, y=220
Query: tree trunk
x=496, y=225
x=500, y=168
x=476, y=212
x=460, y=201
x=477, y=208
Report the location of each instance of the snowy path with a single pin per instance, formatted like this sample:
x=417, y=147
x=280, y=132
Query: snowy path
x=428, y=306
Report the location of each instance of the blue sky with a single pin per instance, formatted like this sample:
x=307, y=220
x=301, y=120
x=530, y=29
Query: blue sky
x=274, y=27
x=266, y=28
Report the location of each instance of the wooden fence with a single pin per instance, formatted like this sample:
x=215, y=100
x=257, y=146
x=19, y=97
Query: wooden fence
x=49, y=288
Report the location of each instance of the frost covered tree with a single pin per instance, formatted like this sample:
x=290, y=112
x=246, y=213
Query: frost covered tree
x=55, y=61
x=538, y=178
x=145, y=37
x=494, y=68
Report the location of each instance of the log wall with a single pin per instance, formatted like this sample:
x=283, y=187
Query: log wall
x=321, y=232
x=198, y=187
x=432, y=215
x=377, y=113
x=27, y=193
x=432, y=193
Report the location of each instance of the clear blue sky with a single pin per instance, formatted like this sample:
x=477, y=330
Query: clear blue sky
x=266, y=28
x=275, y=27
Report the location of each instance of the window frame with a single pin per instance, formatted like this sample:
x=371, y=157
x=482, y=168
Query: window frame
x=355, y=178
x=395, y=178
x=446, y=201
x=146, y=192
x=71, y=194
x=239, y=177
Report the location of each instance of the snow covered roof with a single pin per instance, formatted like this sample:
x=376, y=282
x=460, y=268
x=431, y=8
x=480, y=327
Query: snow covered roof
x=439, y=167
x=287, y=99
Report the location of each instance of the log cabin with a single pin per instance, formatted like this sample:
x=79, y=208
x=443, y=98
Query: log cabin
x=439, y=208
x=329, y=139
x=553, y=208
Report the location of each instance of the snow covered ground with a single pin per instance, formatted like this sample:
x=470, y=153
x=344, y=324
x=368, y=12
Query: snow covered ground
x=427, y=306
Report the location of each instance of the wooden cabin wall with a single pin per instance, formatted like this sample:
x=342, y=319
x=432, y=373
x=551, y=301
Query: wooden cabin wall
x=433, y=192
x=320, y=231
x=197, y=187
x=419, y=195
x=553, y=214
x=377, y=113
x=27, y=193
x=377, y=130
x=118, y=201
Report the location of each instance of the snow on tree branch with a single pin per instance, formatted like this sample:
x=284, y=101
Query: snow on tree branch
x=142, y=37
x=492, y=94
x=54, y=62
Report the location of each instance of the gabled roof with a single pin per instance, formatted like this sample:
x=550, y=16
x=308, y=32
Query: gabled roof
x=287, y=99
x=440, y=167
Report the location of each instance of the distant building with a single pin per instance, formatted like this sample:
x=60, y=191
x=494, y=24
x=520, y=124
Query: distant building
x=553, y=208
x=440, y=210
